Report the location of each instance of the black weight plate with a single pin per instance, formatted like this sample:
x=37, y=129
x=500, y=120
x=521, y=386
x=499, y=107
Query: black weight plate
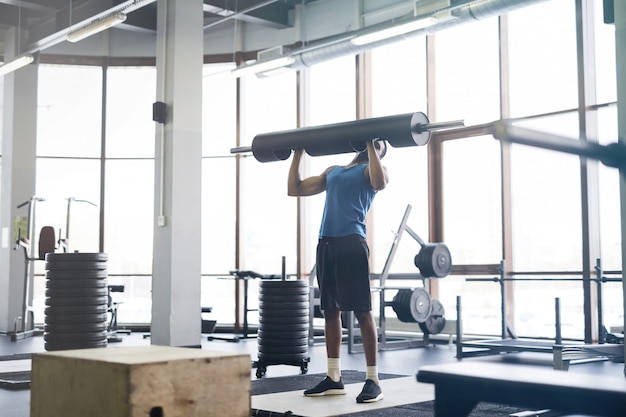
x=435, y=323
x=283, y=342
x=283, y=320
x=75, y=327
x=75, y=310
x=279, y=350
x=278, y=283
x=76, y=266
x=50, y=346
x=286, y=335
x=76, y=292
x=264, y=305
x=76, y=301
x=281, y=298
x=76, y=319
x=282, y=327
x=421, y=305
x=401, y=305
x=284, y=312
x=78, y=275
x=76, y=283
x=77, y=257
x=293, y=293
x=75, y=337
x=434, y=260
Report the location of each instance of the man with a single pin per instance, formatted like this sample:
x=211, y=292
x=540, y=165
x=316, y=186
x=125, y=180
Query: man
x=343, y=258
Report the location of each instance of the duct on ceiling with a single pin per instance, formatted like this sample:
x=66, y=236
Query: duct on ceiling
x=468, y=12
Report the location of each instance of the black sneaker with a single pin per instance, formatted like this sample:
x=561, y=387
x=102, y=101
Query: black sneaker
x=326, y=387
x=371, y=393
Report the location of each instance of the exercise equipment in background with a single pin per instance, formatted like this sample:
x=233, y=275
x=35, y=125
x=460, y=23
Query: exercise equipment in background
x=24, y=325
x=403, y=130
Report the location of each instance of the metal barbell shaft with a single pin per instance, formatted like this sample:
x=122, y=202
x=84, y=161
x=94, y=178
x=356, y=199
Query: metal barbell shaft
x=613, y=155
x=241, y=149
x=440, y=125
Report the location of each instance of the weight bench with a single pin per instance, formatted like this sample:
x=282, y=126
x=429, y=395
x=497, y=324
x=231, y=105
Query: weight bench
x=460, y=386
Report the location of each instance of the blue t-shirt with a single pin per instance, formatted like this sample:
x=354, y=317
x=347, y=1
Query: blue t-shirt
x=348, y=198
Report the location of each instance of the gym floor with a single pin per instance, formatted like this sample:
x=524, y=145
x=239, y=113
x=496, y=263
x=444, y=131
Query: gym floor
x=399, y=361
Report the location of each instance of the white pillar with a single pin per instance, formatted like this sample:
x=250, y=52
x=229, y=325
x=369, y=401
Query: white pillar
x=176, y=265
x=19, y=130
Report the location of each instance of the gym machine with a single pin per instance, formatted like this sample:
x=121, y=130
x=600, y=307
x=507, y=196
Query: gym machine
x=563, y=354
x=24, y=325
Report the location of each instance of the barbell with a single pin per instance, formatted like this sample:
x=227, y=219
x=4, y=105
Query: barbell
x=612, y=155
x=402, y=130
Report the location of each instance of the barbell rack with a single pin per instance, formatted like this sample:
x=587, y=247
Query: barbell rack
x=563, y=354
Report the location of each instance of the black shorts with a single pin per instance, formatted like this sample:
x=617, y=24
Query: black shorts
x=343, y=273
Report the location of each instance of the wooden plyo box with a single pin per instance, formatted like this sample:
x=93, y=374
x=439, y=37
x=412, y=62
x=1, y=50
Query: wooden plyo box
x=143, y=381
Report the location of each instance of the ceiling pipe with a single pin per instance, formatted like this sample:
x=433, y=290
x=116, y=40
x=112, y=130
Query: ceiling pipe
x=474, y=11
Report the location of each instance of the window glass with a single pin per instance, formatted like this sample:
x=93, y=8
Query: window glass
x=130, y=128
x=551, y=43
x=128, y=235
x=129, y=217
x=219, y=215
x=472, y=200
x=69, y=112
x=610, y=222
x=606, y=84
x=467, y=73
x=219, y=110
x=268, y=215
x=546, y=202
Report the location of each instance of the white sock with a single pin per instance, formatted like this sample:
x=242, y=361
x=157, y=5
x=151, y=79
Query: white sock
x=334, y=368
x=372, y=373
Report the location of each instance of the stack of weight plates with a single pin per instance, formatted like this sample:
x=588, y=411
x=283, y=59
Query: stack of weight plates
x=76, y=301
x=283, y=323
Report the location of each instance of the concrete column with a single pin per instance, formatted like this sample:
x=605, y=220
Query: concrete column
x=620, y=59
x=19, y=130
x=176, y=265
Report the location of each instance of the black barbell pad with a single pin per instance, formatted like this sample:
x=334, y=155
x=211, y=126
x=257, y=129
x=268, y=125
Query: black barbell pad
x=347, y=137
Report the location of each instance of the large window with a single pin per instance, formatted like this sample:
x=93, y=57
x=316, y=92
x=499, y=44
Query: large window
x=219, y=191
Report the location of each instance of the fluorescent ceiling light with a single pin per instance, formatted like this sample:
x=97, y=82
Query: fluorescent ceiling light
x=394, y=31
x=95, y=27
x=263, y=66
x=16, y=64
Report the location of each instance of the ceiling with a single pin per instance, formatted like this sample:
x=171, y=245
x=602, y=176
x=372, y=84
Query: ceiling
x=42, y=21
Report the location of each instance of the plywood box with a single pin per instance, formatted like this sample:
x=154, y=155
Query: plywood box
x=142, y=381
